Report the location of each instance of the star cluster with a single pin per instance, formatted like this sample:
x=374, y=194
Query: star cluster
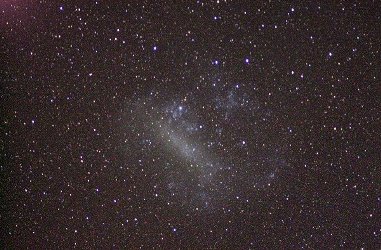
x=190, y=124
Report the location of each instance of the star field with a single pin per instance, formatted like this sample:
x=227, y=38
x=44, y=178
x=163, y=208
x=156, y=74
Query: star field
x=190, y=124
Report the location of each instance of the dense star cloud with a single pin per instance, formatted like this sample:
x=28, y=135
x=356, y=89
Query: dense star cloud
x=190, y=124
x=207, y=141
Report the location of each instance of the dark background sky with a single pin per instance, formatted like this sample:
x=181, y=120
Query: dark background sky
x=190, y=124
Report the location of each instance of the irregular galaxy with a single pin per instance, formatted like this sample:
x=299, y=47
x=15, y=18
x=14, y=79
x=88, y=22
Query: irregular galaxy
x=190, y=124
x=208, y=141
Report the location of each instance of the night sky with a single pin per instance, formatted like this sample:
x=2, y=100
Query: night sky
x=190, y=124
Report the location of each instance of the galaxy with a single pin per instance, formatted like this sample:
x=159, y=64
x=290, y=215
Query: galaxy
x=206, y=141
x=190, y=124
